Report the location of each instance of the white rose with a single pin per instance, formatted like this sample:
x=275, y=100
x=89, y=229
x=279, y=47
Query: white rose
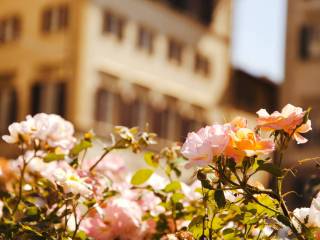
x=71, y=182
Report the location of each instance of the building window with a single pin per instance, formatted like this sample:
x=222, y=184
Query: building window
x=145, y=39
x=175, y=50
x=128, y=112
x=49, y=98
x=104, y=106
x=10, y=29
x=200, y=10
x=158, y=121
x=202, y=65
x=113, y=24
x=55, y=18
x=186, y=125
x=8, y=102
x=310, y=42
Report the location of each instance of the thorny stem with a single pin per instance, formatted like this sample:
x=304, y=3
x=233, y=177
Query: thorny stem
x=76, y=221
x=22, y=172
x=205, y=217
x=108, y=150
x=173, y=210
x=279, y=193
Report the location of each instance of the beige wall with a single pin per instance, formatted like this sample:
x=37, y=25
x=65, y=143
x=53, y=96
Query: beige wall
x=33, y=49
x=302, y=76
x=83, y=52
x=101, y=53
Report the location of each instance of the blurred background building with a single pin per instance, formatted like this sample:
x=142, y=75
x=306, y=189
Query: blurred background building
x=301, y=87
x=101, y=63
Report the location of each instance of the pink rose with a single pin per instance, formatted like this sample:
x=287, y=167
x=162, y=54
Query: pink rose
x=200, y=147
x=119, y=219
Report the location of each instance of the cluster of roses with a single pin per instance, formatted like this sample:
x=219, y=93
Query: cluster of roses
x=129, y=212
x=43, y=131
x=236, y=140
x=121, y=216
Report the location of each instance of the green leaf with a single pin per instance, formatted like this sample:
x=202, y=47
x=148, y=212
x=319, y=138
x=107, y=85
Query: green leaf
x=31, y=211
x=141, y=176
x=81, y=235
x=80, y=147
x=176, y=197
x=219, y=198
x=206, y=184
x=231, y=164
x=195, y=226
x=283, y=219
x=31, y=214
x=173, y=186
x=270, y=168
x=50, y=157
x=149, y=159
x=227, y=231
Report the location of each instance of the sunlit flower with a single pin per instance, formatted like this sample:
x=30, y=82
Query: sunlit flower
x=245, y=142
x=19, y=132
x=233, y=196
x=289, y=120
x=200, y=147
x=48, y=129
x=190, y=191
x=149, y=202
x=71, y=182
x=120, y=219
x=309, y=216
x=301, y=214
x=237, y=123
x=54, y=130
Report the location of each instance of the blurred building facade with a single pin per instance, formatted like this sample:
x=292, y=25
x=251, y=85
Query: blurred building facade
x=301, y=86
x=101, y=63
x=250, y=93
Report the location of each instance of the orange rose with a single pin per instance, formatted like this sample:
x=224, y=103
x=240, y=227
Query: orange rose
x=288, y=120
x=244, y=142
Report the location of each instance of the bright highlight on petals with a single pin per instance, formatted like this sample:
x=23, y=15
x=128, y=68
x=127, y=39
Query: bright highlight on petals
x=290, y=120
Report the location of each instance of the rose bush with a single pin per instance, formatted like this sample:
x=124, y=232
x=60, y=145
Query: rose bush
x=53, y=190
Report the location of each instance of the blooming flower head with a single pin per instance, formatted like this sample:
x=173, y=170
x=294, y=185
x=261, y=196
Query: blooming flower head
x=237, y=123
x=48, y=129
x=309, y=216
x=118, y=219
x=289, y=120
x=71, y=182
x=190, y=191
x=245, y=142
x=200, y=147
